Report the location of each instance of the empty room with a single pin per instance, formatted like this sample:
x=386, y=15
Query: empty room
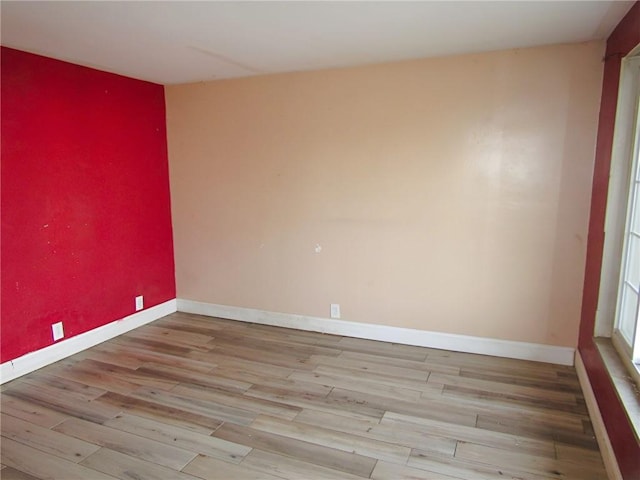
x=320, y=240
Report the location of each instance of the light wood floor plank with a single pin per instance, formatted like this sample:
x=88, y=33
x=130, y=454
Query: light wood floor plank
x=503, y=388
x=407, y=423
x=125, y=467
x=9, y=473
x=44, y=465
x=417, y=365
x=45, y=440
x=162, y=345
x=31, y=412
x=209, y=468
x=393, y=350
x=187, y=338
x=537, y=427
x=301, y=336
x=73, y=389
x=338, y=405
x=446, y=412
x=217, y=358
x=543, y=466
x=126, y=443
x=358, y=384
x=523, y=368
x=270, y=343
x=57, y=400
x=292, y=469
x=351, y=463
x=496, y=408
x=466, y=469
x=88, y=374
x=343, y=422
x=389, y=471
x=182, y=376
x=135, y=358
x=578, y=455
x=402, y=435
x=254, y=405
x=383, y=373
x=179, y=437
x=264, y=357
x=515, y=399
x=563, y=384
x=267, y=380
x=191, y=403
x=175, y=344
x=136, y=376
x=101, y=353
x=331, y=438
x=165, y=413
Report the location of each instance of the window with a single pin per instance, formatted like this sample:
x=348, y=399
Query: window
x=619, y=302
x=626, y=332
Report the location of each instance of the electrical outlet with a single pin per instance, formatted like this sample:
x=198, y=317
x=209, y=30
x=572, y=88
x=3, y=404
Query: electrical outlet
x=58, y=331
x=335, y=310
x=139, y=303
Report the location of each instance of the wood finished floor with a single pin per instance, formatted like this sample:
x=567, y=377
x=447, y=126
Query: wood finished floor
x=190, y=397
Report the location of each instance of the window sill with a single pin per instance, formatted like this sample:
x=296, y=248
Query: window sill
x=625, y=386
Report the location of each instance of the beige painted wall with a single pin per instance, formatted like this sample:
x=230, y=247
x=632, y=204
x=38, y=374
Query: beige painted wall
x=448, y=194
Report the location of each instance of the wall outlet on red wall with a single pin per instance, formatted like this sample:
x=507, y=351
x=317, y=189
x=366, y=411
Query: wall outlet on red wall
x=58, y=331
x=139, y=302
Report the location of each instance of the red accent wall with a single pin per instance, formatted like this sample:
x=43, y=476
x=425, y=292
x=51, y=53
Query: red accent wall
x=624, y=38
x=86, y=220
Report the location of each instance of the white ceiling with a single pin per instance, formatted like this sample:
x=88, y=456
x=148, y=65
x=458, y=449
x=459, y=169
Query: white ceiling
x=183, y=41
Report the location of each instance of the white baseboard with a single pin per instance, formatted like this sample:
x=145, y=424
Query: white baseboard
x=65, y=348
x=606, y=449
x=407, y=336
